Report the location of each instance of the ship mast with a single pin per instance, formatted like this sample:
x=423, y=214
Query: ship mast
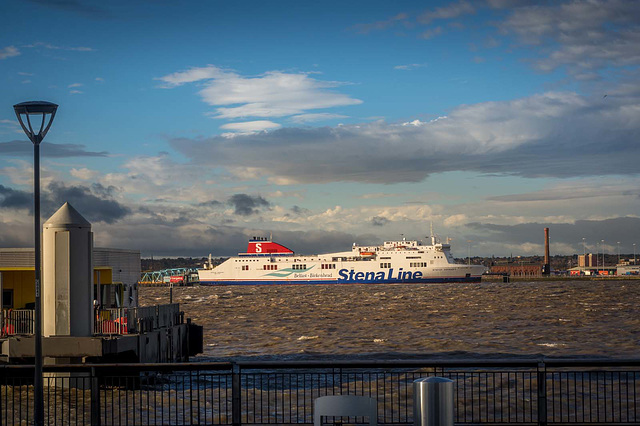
x=433, y=237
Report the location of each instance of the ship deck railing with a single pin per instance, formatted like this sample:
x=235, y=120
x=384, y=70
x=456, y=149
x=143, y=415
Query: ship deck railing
x=531, y=391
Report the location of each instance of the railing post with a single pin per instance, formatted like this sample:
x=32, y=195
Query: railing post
x=542, y=394
x=95, y=399
x=236, y=413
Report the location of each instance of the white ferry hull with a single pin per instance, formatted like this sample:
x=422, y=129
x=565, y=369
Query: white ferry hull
x=393, y=262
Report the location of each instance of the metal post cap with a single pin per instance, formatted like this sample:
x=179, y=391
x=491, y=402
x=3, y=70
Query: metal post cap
x=433, y=380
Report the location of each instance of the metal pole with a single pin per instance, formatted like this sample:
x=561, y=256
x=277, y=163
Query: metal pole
x=236, y=412
x=38, y=381
x=433, y=402
x=542, y=394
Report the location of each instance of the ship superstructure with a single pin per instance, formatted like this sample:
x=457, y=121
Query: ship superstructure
x=402, y=261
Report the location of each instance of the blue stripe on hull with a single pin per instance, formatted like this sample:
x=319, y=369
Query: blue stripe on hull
x=312, y=282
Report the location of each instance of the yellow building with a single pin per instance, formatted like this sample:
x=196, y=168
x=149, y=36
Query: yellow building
x=116, y=270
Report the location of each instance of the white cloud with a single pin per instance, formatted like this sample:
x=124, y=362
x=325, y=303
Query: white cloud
x=160, y=179
x=309, y=118
x=83, y=173
x=251, y=126
x=192, y=75
x=450, y=11
x=8, y=52
x=75, y=92
x=54, y=47
x=456, y=220
x=509, y=137
x=409, y=67
x=382, y=25
x=272, y=94
x=74, y=85
x=431, y=33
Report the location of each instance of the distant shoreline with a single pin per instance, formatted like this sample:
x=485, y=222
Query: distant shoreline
x=499, y=278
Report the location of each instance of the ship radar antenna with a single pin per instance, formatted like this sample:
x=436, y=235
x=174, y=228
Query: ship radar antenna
x=271, y=236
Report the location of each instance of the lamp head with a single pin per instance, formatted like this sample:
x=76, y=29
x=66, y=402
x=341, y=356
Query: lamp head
x=35, y=108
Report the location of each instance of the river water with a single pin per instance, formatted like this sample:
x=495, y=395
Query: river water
x=564, y=318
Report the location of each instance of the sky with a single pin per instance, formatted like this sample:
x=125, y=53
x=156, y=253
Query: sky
x=185, y=128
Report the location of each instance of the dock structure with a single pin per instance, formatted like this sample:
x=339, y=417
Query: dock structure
x=171, y=276
x=90, y=303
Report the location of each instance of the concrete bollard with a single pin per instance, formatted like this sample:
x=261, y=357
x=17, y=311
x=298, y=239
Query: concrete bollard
x=433, y=402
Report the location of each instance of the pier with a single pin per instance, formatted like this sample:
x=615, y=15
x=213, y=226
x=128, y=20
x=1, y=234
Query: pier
x=89, y=304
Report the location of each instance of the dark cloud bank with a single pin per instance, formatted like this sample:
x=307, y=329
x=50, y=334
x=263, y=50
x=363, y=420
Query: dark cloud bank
x=94, y=202
x=623, y=229
x=52, y=150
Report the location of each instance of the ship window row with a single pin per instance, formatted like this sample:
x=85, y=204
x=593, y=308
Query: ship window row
x=385, y=265
x=298, y=266
x=418, y=264
x=247, y=260
x=328, y=266
x=270, y=267
x=384, y=257
x=414, y=257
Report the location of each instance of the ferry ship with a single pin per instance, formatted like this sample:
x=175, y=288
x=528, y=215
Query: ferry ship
x=267, y=262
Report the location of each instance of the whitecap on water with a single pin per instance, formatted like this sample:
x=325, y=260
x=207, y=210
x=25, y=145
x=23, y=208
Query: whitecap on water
x=307, y=337
x=551, y=345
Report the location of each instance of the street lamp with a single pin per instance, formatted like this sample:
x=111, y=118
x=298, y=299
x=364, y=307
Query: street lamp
x=47, y=111
x=618, y=252
x=634, y=253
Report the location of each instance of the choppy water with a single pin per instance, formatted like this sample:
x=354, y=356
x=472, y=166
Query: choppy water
x=570, y=318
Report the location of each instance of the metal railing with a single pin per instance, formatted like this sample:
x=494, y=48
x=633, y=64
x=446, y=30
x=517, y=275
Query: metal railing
x=541, y=391
x=107, y=321
x=137, y=320
x=16, y=321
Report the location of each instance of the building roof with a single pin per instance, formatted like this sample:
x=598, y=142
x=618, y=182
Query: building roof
x=67, y=216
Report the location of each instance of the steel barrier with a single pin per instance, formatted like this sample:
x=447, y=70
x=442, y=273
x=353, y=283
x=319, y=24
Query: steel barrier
x=16, y=321
x=507, y=391
x=137, y=320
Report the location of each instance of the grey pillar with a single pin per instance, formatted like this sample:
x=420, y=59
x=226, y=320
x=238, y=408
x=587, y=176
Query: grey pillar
x=68, y=274
x=433, y=403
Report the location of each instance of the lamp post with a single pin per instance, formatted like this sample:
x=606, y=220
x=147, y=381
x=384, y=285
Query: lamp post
x=602, y=254
x=47, y=110
x=618, y=252
x=634, y=253
x=469, y=252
